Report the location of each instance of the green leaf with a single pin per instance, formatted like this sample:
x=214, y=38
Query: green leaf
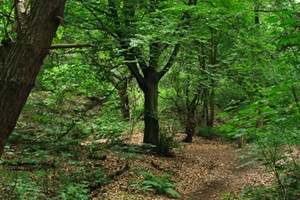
x=150, y=182
x=172, y=192
x=245, y=111
x=226, y=128
x=273, y=19
x=290, y=20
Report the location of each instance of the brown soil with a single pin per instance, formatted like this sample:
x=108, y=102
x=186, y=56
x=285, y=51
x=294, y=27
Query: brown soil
x=205, y=169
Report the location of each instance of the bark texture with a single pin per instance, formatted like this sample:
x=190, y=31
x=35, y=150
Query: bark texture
x=124, y=99
x=21, y=59
x=190, y=124
x=151, y=133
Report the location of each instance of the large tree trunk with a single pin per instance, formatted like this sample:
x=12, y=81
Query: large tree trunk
x=151, y=131
x=20, y=61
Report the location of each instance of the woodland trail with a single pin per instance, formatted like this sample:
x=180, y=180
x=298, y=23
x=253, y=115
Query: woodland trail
x=205, y=169
x=215, y=171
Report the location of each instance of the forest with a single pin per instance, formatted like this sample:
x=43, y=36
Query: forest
x=150, y=99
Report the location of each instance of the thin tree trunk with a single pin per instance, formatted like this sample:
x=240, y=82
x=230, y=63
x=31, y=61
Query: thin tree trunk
x=211, y=117
x=124, y=100
x=211, y=92
x=296, y=98
x=206, y=106
x=256, y=15
x=20, y=61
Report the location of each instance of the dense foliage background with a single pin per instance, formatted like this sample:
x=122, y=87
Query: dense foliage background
x=231, y=72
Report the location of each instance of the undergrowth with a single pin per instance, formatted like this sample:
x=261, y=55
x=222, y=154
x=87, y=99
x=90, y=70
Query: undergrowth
x=158, y=184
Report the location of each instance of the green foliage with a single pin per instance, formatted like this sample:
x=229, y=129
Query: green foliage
x=42, y=182
x=20, y=187
x=7, y=17
x=109, y=126
x=228, y=93
x=158, y=184
x=222, y=50
x=166, y=143
x=71, y=80
x=229, y=196
x=271, y=122
x=208, y=132
x=75, y=191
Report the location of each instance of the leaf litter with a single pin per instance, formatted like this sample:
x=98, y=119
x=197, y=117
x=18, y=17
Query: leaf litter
x=205, y=170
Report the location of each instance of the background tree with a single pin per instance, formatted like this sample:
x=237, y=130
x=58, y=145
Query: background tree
x=205, y=56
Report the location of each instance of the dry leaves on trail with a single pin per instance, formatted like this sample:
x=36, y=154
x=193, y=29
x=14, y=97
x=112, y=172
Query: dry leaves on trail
x=205, y=169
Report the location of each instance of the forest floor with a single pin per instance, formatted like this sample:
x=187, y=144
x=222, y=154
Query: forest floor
x=205, y=169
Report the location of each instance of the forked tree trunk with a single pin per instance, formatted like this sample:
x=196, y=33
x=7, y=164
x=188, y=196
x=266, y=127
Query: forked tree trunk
x=190, y=125
x=20, y=61
x=190, y=128
x=151, y=132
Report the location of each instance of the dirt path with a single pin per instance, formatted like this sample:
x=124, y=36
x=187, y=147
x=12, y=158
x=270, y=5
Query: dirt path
x=216, y=172
x=205, y=169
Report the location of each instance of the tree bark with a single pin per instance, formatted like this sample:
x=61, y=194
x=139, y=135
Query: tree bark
x=20, y=61
x=211, y=117
x=124, y=99
x=190, y=127
x=151, y=132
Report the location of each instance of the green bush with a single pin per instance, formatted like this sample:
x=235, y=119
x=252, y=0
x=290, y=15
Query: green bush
x=74, y=79
x=208, y=132
x=75, y=191
x=275, y=142
x=157, y=184
x=19, y=186
x=166, y=143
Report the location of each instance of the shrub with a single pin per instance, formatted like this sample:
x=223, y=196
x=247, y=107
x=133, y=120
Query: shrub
x=157, y=184
x=166, y=143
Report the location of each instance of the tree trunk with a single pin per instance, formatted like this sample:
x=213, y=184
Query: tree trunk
x=210, y=122
x=124, y=100
x=151, y=131
x=190, y=127
x=20, y=61
x=206, y=106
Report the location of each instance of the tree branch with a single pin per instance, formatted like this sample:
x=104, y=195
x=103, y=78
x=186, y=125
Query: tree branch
x=170, y=61
x=136, y=73
x=70, y=46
